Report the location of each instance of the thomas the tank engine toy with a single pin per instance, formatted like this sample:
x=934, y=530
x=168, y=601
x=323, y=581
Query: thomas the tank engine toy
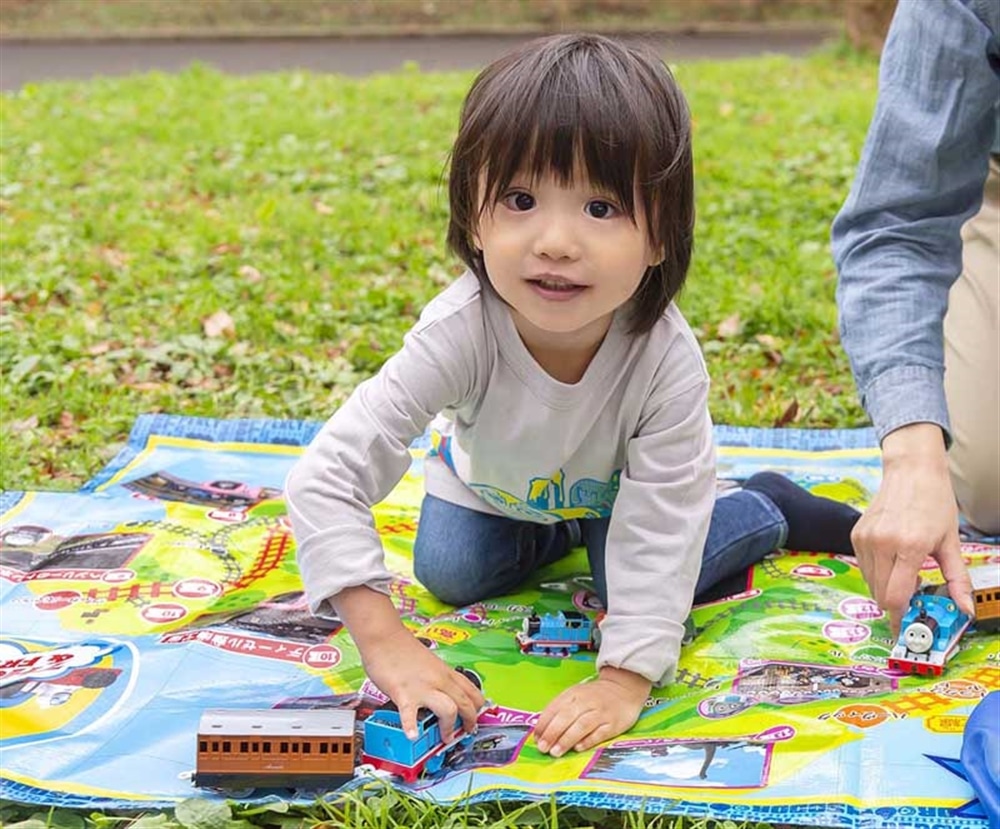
x=558, y=634
x=928, y=636
x=387, y=748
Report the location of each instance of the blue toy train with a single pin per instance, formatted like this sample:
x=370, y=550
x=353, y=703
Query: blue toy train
x=386, y=746
x=928, y=635
x=558, y=634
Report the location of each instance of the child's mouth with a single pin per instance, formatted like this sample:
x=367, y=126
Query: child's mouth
x=555, y=288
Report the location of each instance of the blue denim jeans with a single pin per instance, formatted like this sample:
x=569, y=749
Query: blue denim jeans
x=464, y=556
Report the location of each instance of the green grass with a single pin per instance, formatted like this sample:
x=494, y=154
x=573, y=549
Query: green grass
x=115, y=18
x=309, y=209
x=382, y=809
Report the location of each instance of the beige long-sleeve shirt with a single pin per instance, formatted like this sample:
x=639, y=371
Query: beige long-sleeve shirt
x=632, y=439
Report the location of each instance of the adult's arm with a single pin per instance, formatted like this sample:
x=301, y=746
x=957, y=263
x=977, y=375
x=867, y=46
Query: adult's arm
x=898, y=250
x=896, y=241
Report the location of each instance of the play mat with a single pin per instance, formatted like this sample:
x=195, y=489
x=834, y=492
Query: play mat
x=168, y=585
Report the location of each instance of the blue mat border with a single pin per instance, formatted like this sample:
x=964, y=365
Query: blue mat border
x=301, y=432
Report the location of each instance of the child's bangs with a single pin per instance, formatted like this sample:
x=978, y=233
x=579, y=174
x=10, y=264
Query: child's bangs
x=568, y=132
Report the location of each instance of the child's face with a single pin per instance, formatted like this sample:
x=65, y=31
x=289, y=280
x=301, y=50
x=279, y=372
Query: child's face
x=564, y=257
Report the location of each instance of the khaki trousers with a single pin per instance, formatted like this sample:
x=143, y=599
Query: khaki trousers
x=972, y=365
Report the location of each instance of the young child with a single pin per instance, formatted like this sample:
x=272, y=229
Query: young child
x=567, y=394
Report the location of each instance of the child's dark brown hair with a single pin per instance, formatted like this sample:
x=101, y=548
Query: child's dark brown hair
x=566, y=103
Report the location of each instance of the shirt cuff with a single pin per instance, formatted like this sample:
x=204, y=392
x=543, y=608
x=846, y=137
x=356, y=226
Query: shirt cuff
x=905, y=395
x=322, y=565
x=646, y=645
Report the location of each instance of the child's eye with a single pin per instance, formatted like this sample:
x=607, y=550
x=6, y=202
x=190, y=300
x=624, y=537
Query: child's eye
x=519, y=200
x=600, y=209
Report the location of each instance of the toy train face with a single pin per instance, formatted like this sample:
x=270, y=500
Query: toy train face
x=557, y=634
x=274, y=748
x=386, y=746
x=929, y=635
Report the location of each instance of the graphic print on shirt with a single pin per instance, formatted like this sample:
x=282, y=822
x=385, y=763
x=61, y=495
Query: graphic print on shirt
x=546, y=499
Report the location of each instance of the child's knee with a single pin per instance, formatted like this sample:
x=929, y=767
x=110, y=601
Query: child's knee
x=448, y=586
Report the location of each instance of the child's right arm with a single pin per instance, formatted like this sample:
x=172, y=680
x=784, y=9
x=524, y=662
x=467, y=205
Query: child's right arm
x=352, y=464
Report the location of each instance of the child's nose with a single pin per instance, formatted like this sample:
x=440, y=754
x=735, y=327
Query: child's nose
x=557, y=239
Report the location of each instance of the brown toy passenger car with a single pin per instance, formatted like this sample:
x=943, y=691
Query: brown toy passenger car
x=986, y=594
x=274, y=748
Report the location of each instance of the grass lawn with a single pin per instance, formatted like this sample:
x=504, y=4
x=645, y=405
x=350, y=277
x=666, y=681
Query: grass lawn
x=155, y=18
x=210, y=245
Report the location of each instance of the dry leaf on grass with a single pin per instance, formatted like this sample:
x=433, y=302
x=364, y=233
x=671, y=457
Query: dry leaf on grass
x=219, y=324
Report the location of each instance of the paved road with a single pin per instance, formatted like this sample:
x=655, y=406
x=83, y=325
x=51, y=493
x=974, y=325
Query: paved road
x=23, y=62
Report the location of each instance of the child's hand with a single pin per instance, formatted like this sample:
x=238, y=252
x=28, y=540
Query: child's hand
x=588, y=714
x=415, y=678
x=401, y=667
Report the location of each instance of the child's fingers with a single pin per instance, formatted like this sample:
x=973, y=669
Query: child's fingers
x=470, y=701
x=547, y=735
x=446, y=709
x=545, y=718
x=474, y=693
x=408, y=719
x=575, y=732
x=603, y=732
x=468, y=710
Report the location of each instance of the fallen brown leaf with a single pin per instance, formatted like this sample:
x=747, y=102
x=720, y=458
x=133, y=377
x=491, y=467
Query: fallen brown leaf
x=115, y=258
x=24, y=425
x=729, y=327
x=250, y=274
x=788, y=416
x=219, y=324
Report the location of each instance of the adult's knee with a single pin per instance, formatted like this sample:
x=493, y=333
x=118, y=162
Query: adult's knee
x=979, y=500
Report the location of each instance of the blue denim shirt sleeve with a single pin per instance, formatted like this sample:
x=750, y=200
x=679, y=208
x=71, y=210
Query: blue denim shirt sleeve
x=896, y=241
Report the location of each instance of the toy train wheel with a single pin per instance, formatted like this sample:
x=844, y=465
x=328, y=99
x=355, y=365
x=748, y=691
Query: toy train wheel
x=231, y=794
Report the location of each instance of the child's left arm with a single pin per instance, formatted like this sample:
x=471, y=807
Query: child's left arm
x=653, y=557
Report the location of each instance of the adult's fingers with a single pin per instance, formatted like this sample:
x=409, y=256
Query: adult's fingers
x=949, y=559
x=868, y=547
x=899, y=589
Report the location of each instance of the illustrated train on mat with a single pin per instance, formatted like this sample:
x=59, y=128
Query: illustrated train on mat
x=227, y=494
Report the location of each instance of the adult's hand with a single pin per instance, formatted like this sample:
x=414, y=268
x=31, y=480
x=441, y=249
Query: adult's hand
x=913, y=516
